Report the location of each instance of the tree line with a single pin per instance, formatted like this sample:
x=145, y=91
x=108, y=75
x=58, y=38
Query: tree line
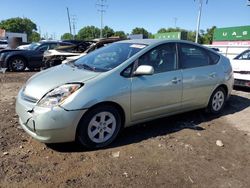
x=25, y=25
x=92, y=32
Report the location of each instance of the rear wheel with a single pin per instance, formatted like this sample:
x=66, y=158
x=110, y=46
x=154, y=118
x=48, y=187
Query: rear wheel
x=217, y=101
x=99, y=127
x=17, y=64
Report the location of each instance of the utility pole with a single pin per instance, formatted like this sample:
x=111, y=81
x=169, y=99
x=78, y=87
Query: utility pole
x=102, y=6
x=69, y=21
x=175, y=22
x=199, y=20
x=73, y=21
x=40, y=32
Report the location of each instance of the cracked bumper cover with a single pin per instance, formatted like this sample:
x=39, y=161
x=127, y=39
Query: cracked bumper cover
x=48, y=125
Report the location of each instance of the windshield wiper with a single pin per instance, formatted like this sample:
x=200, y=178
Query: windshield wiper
x=85, y=66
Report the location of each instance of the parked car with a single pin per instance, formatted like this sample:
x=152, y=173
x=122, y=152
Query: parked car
x=241, y=69
x=57, y=56
x=122, y=84
x=3, y=44
x=19, y=60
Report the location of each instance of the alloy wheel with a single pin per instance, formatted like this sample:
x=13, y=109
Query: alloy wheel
x=18, y=64
x=102, y=127
x=218, y=100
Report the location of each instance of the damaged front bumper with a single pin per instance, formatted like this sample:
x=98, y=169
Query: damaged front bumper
x=45, y=124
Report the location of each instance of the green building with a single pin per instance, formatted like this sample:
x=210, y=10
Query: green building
x=241, y=33
x=172, y=35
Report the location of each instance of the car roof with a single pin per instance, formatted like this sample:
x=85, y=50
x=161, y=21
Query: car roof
x=155, y=41
x=150, y=42
x=55, y=42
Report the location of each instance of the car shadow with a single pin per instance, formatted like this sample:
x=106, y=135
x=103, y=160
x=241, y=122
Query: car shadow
x=163, y=126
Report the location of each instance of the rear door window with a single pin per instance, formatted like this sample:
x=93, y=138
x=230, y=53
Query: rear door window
x=192, y=56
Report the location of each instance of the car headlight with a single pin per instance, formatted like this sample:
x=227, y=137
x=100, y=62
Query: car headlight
x=58, y=95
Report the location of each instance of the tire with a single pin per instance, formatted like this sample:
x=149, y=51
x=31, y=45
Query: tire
x=217, y=101
x=31, y=69
x=99, y=127
x=17, y=64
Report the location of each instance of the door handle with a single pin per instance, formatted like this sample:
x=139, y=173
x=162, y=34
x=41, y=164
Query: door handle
x=212, y=75
x=175, y=80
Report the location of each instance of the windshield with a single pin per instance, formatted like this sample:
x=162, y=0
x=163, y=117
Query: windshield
x=109, y=57
x=33, y=46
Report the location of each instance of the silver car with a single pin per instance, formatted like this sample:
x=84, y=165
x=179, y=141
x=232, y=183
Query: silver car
x=125, y=83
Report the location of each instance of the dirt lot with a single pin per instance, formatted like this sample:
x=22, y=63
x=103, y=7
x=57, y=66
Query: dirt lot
x=179, y=151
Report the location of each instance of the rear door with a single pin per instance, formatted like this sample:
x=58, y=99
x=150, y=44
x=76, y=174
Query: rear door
x=160, y=93
x=200, y=75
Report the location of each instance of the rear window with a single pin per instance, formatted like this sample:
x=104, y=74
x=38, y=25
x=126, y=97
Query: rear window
x=214, y=58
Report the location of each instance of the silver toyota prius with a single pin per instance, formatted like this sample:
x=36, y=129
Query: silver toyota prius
x=125, y=83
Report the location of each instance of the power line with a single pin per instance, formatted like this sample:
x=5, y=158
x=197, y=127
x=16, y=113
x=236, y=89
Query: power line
x=102, y=6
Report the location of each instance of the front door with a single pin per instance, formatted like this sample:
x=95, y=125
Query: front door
x=160, y=93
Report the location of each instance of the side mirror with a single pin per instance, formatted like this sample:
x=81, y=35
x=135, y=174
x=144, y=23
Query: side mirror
x=144, y=70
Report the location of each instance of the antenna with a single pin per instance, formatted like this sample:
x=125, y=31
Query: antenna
x=199, y=19
x=102, y=6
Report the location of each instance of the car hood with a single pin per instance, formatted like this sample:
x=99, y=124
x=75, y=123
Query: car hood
x=240, y=65
x=41, y=83
x=73, y=58
x=52, y=53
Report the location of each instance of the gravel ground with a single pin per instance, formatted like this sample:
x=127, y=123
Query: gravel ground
x=187, y=150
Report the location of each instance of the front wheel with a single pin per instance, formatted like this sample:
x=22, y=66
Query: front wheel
x=99, y=127
x=217, y=101
x=17, y=64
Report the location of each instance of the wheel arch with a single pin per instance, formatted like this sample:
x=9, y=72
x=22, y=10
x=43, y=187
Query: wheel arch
x=224, y=86
x=109, y=103
x=14, y=56
x=116, y=105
